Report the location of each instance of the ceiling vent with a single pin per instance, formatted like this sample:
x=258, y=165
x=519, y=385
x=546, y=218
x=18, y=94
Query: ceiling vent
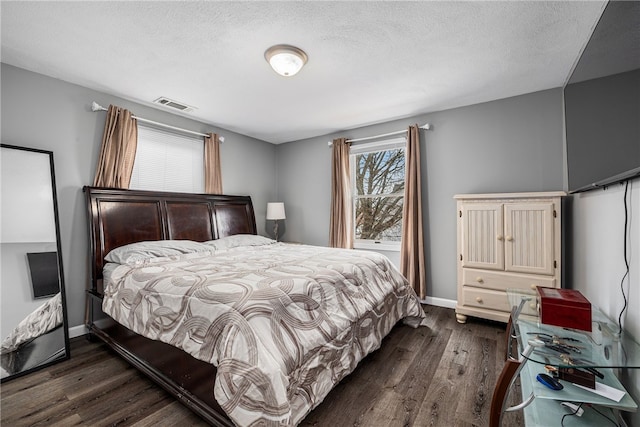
x=173, y=104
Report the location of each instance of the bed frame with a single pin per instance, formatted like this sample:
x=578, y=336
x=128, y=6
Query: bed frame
x=119, y=217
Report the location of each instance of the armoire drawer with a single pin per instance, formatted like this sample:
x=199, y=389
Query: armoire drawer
x=485, y=298
x=503, y=281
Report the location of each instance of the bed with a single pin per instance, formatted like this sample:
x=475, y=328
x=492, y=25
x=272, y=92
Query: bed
x=240, y=328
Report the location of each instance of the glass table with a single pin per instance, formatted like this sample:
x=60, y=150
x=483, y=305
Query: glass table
x=543, y=348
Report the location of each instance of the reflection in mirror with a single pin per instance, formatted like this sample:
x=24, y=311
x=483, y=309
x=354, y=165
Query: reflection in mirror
x=32, y=304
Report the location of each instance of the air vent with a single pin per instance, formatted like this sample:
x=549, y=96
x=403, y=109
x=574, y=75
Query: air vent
x=173, y=104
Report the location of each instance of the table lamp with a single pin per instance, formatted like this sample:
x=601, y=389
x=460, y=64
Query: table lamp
x=275, y=212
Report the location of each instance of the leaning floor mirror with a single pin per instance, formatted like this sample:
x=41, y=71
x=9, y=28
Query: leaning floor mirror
x=33, y=316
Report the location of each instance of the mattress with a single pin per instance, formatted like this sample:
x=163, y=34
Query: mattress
x=282, y=323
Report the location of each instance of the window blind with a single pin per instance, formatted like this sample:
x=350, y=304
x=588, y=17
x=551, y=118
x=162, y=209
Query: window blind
x=167, y=161
x=387, y=144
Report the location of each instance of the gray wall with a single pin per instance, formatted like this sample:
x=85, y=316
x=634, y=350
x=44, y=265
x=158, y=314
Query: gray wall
x=42, y=112
x=513, y=144
x=509, y=145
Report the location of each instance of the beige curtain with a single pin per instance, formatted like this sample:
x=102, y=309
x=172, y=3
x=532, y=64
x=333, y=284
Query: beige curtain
x=412, y=263
x=118, y=151
x=212, y=170
x=340, y=228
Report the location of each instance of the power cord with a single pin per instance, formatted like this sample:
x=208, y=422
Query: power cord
x=626, y=260
x=612, y=421
x=578, y=409
x=571, y=414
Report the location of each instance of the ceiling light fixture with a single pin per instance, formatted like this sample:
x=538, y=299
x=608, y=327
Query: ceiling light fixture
x=285, y=60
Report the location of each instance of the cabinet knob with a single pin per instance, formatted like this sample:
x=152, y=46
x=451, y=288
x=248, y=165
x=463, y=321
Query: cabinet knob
x=478, y=299
x=534, y=286
x=499, y=237
x=532, y=306
x=479, y=279
x=509, y=238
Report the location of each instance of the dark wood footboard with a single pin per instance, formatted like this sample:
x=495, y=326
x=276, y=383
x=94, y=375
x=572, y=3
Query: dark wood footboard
x=188, y=379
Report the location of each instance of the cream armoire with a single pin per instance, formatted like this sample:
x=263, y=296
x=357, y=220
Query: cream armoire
x=506, y=241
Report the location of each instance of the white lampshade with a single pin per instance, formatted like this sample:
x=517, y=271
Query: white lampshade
x=275, y=210
x=285, y=60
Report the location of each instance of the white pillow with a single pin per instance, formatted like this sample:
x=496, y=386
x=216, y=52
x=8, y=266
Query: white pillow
x=134, y=253
x=239, y=240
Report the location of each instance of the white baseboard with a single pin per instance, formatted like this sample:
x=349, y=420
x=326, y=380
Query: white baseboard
x=440, y=302
x=77, y=331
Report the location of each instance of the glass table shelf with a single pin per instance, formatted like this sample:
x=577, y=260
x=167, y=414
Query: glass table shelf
x=541, y=348
x=603, y=347
x=547, y=410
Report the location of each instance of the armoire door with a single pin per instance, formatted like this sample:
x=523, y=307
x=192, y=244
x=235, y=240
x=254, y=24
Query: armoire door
x=482, y=236
x=529, y=245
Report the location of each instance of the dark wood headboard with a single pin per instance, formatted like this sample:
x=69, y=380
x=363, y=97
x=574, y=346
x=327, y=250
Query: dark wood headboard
x=119, y=217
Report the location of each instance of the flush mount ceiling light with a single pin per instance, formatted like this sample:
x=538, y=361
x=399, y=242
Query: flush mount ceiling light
x=285, y=60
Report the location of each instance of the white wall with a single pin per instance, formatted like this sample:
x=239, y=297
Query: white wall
x=595, y=251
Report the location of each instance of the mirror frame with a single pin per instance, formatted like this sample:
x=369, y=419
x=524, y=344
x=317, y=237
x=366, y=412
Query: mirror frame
x=65, y=325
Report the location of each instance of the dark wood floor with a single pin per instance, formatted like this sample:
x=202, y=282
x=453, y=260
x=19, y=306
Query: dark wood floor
x=439, y=375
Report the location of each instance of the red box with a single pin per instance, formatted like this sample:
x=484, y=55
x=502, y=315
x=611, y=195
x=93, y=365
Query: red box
x=564, y=307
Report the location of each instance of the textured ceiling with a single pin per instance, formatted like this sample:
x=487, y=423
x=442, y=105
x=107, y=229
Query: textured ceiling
x=369, y=62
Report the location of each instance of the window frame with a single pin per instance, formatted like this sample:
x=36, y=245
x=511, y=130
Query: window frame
x=371, y=147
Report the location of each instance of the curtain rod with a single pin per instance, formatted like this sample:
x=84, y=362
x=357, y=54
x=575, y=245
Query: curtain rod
x=97, y=107
x=426, y=126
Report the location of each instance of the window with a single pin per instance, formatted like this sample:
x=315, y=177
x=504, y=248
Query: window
x=167, y=161
x=378, y=193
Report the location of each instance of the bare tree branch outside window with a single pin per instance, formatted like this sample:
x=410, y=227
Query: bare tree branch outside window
x=379, y=185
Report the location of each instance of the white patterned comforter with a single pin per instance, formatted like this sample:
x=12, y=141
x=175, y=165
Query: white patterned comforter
x=42, y=320
x=283, y=323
